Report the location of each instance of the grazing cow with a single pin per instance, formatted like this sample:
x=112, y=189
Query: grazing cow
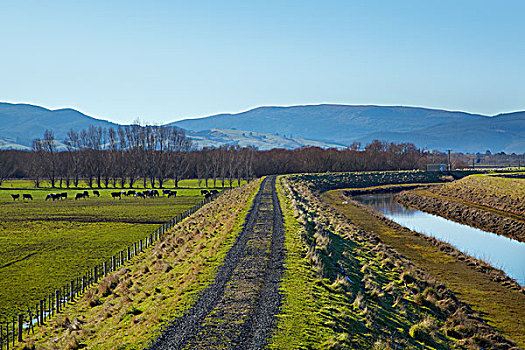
x=207, y=195
x=63, y=195
x=116, y=194
x=86, y=194
x=166, y=192
x=140, y=194
x=52, y=196
x=204, y=192
x=27, y=196
x=123, y=193
x=15, y=197
x=80, y=195
x=214, y=191
x=131, y=193
x=155, y=193
x=172, y=194
x=96, y=193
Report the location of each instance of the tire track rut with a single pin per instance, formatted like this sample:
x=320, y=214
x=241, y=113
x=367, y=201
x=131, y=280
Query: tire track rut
x=238, y=310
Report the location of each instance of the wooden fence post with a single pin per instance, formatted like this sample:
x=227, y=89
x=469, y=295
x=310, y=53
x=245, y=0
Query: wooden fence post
x=20, y=327
x=41, y=312
x=129, y=253
x=57, y=307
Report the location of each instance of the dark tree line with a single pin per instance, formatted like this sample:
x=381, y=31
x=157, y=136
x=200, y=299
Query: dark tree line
x=151, y=155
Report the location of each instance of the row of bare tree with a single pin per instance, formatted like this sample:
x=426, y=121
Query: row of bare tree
x=153, y=154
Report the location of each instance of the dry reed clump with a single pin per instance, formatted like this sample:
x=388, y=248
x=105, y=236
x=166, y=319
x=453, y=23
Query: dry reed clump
x=381, y=345
x=341, y=283
x=322, y=239
x=107, y=285
x=423, y=331
x=359, y=302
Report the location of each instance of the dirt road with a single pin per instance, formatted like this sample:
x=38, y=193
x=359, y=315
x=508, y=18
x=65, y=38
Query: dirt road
x=238, y=310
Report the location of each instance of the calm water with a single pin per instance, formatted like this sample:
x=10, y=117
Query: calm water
x=499, y=251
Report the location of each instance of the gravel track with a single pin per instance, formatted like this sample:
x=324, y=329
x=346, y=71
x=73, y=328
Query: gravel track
x=238, y=310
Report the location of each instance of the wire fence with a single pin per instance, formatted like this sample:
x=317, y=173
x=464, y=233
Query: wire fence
x=12, y=330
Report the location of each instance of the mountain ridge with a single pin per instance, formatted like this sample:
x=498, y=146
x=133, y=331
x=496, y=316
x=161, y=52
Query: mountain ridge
x=323, y=125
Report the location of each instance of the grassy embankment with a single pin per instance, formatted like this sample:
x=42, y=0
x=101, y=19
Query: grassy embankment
x=345, y=289
x=44, y=244
x=129, y=307
x=491, y=203
x=502, y=307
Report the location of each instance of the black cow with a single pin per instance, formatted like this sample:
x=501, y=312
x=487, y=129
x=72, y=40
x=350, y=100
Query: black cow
x=204, y=192
x=172, y=194
x=207, y=195
x=96, y=193
x=116, y=194
x=63, y=195
x=80, y=195
x=15, y=197
x=140, y=194
x=214, y=191
x=131, y=193
x=27, y=196
x=166, y=192
x=86, y=194
x=53, y=196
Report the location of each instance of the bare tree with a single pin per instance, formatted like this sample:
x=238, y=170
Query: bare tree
x=50, y=156
x=74, y=149
x=7, y=165
x=181, y=146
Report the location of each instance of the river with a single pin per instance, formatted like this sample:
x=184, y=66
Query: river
x=499, y=251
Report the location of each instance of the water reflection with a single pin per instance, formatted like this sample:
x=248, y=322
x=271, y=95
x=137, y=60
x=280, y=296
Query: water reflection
x=499, y=251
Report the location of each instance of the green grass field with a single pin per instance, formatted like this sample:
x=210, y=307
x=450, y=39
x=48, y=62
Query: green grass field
x=45, y=244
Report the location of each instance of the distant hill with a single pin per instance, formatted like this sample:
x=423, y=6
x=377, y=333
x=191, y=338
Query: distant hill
x=263, y=141
x=297, y=126
x=339, y=123
x=504, y=132
x=21, y=123
x=342, y=124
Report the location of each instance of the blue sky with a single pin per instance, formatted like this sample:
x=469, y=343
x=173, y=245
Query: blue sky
x=161, y=61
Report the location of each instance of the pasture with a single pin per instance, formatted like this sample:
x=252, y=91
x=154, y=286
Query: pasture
x=44, y=244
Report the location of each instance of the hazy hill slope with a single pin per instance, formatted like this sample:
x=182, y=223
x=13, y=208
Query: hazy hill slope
x=263, y=141
x=335, y=123
x=23, y=122
x=504, y=132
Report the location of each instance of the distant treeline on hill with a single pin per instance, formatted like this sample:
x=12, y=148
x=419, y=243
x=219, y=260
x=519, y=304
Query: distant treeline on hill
x=153, y=154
